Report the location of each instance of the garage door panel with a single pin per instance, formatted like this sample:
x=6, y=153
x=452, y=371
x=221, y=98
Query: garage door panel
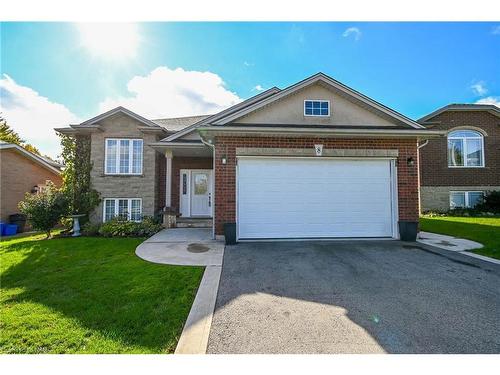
x=294, y=198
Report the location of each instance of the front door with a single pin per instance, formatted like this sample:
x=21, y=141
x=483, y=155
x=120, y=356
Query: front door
x=201, y=193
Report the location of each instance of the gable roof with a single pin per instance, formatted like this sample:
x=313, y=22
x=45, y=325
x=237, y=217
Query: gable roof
x=493, y=109
x=176, y=124
x=114, y=111
x=50, y=165
x=254, y=99
x=319, y=77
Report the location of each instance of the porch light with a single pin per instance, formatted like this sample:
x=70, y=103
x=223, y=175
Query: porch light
x=410, y=162
x=224, y=159
x=34, y=189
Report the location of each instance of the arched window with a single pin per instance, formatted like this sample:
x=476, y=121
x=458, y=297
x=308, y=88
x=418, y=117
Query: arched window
x=465, y=149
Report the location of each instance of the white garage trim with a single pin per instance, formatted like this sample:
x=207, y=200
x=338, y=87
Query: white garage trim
x=390, y=215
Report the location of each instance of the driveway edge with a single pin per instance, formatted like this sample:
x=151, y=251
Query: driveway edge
x=194, y=337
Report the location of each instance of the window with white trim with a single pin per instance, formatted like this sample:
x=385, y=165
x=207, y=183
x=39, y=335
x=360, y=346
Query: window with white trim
x=127, y=208
x=465, y=149
x=123, y=156
x=465, y=199
x=317, y=108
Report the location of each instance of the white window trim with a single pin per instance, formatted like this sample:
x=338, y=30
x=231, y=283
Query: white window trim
x=317, y=100
x=464, y=146
x=130, y=156
x=129, y=207
x=466, y=195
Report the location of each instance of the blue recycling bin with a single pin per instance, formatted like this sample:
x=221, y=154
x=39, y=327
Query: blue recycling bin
x=2, y=228
x=10, y=229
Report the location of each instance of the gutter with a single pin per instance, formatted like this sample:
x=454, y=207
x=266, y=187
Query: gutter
x=336, y=132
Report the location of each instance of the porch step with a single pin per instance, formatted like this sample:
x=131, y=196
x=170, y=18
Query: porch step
x=193, y=223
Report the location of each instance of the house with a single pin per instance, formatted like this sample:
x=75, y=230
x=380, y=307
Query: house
x=457, y=170
x=314, y=160
x=21, y=172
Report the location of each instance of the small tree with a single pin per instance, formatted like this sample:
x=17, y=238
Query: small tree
x=82, y=198
x=45, y=209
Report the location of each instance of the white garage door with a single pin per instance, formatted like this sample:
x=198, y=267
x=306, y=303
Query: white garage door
x=313, y=198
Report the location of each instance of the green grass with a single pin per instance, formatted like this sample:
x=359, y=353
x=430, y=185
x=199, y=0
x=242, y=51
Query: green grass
x=485, y=230
x=90, y=295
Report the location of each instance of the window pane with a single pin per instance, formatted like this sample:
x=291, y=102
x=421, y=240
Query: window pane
x=324, y=105
x=316, y=105
x=309, y=104
x=111, y=156
x=123, y=208
x=455, y=152
x=200, y=184
x=124, y=155
x=475, y=197
x=465, y=134
x=316, y=111
x=457, y=199
x=109, y=209
x=135, y=210
x=309, y=111
x=137, y=156
x=474, y=152
x=324, y=111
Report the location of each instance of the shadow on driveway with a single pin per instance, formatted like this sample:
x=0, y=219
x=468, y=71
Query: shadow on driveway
x=354, y=297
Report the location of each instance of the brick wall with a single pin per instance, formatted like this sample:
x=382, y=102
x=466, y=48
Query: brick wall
x=434, y=156
x=18, y=175
x=179, y=163
x=225, y=175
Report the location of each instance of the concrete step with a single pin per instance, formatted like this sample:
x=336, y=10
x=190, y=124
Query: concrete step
x=194, y=223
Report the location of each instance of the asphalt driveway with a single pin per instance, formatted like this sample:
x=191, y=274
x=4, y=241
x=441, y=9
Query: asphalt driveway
x=354, y=297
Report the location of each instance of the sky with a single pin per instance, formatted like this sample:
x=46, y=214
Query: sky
x=56, y=74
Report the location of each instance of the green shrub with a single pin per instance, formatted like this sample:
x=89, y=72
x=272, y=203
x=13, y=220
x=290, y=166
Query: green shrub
x=120, y=227
x=490, y=203
x=45, y=209
x=91, y=229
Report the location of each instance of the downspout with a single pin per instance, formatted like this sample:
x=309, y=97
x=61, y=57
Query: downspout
x=423, y=144
x=213, y=183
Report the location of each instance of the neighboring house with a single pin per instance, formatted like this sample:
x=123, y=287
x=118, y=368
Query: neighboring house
x=316, y=159
x=22, y=172
x=457, y=170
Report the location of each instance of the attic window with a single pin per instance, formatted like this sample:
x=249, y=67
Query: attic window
x=317, y=108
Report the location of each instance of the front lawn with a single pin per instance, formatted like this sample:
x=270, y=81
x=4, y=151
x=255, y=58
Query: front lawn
x=90, y=295
x=485, y=230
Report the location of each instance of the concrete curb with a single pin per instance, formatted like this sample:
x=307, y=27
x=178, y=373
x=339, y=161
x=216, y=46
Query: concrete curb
x=194, y=337
x=482, y=257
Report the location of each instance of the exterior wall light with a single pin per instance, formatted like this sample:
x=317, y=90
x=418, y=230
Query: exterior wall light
x=35, y=189
x=410, y=162
x=224, y=159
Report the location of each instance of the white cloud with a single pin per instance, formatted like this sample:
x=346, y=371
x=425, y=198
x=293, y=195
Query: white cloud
x=259, y=88
x=352, y=31
x=33, y=116
x=495, y=100
x=479, y=88
x=177, y=92
x=496, y=30
x=246, y=63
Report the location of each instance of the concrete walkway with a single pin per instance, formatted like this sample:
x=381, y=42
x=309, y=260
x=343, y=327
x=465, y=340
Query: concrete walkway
x=182, y=246
x=190, y=247
x=459, y=245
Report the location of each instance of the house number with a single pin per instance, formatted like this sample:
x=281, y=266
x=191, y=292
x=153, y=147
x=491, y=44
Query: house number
x=318, y=149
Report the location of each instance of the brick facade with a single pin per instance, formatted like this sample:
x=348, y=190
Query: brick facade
x=225, y=175
x=18, y=175
x=437, y=179
x=434, y=156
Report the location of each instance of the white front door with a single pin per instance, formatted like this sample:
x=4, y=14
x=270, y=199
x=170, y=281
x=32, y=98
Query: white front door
x=201, y=193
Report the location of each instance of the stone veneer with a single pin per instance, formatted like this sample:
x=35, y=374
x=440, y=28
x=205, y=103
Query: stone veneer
x=225, y=175
x=145, y=186
x=437, y=198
